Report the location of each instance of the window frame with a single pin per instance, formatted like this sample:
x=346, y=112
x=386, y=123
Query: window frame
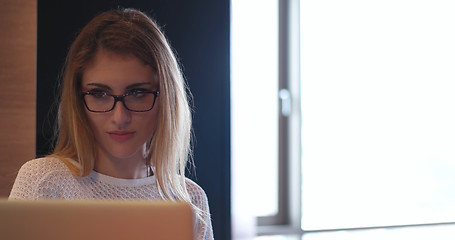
x=288, y=218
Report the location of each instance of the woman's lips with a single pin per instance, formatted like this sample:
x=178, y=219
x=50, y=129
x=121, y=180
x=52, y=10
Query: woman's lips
x=121, y=136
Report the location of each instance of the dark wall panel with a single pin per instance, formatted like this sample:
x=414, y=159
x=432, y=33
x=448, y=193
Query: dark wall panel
x=199, y=32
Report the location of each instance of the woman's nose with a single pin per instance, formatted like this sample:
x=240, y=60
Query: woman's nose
x=120, y=115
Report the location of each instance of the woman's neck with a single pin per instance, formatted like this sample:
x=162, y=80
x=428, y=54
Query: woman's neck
x=126, y=168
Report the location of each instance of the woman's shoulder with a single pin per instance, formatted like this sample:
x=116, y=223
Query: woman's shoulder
x=197, y=194
x=38, y=175
x=199, y=199
x=43, y=166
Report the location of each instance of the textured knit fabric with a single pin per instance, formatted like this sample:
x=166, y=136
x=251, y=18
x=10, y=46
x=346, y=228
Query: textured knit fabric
x=49, y=178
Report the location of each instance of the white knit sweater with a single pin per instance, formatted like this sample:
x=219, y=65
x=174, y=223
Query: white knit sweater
x=49, y=178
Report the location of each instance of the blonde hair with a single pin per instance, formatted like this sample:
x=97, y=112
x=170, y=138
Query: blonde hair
x=129, y=31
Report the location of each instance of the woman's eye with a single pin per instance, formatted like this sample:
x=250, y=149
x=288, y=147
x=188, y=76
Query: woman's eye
x=138, y=93
x=98, y=94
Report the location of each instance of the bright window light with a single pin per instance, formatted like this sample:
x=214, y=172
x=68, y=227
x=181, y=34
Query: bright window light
x=378, y=110
x=254, y=106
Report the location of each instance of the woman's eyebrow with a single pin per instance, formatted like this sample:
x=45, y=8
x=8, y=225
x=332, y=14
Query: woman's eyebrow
x=99, y=85
x=129, y=87
x=135, y=85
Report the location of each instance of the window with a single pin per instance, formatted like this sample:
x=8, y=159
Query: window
x=378, y=131
x=370, y=129
x=254, y=104
x=264, y=108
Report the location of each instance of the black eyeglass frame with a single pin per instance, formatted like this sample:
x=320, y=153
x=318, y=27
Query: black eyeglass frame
x=120, y=98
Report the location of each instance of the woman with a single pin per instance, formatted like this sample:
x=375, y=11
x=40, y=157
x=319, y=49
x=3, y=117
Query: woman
x=124, y=122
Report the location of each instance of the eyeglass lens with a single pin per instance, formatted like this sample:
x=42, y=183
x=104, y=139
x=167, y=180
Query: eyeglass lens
x=103, y=102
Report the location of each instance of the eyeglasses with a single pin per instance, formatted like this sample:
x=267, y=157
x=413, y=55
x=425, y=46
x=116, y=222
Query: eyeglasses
x=135, y=101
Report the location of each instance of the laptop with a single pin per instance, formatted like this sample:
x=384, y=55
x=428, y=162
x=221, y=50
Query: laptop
x=87, y=220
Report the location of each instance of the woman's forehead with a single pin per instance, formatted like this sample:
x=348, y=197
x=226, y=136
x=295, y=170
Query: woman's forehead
x=118, y=70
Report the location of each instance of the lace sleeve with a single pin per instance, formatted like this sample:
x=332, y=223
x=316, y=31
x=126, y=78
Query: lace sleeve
x=32, y=181
x=25, y=184
x=203, y=229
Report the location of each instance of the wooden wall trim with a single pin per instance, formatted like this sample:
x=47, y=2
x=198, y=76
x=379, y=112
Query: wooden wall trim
x=18, y=29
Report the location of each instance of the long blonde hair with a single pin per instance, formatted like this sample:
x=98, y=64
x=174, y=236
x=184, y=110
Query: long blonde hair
x=128, y=31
